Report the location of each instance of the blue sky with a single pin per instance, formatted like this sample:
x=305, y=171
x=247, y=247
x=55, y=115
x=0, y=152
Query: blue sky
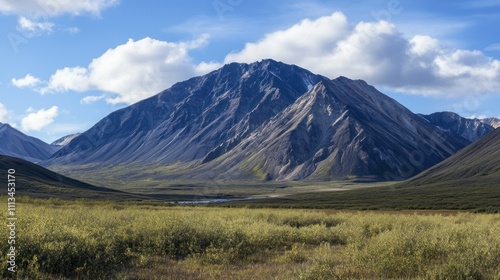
x=67, y=64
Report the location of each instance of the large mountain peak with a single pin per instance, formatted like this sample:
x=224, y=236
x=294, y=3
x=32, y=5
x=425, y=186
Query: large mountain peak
x=266, y=120
x=339, y=128
x=194, y=117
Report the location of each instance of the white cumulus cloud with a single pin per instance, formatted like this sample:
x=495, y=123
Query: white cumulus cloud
x=28, y=81
x=34, y=15
x=378, y=53
x=421, y=45
x=91, y=99
x=4, y=114
x=133, y=71
x=68, y=78
x=35, y=121
x=51, y=8
x=33, y=28
x=309, y=39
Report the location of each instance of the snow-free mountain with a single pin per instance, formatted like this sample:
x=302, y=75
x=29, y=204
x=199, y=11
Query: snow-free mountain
x=265, y=120
x=477, y=165
x=17, y=144
x=63, y=141
x=494, y=122
x=339, y=129
x=457, y=126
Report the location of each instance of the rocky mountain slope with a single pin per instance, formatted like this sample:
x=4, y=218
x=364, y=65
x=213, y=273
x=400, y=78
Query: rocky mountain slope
x=470, y=129
x=265, y=120
x=339, y=129
x=476, y=165
x=192, y=118
x=17, y=144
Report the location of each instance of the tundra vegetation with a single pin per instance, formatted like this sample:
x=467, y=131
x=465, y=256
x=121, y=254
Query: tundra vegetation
x=60, y=239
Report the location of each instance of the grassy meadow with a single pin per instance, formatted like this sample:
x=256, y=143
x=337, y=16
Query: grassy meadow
x=59, y=239
x=481, y=198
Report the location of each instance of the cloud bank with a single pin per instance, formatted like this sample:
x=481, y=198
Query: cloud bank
x=132, y=71
x=34, y=15
x=51, y=8
x=332, y=46
x=378, y=53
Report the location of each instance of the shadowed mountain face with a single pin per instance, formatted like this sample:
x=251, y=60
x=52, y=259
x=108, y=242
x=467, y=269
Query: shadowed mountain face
x=339, y=129
x=265, y=120
x=15, y=143
x=477, y=165
x=192, y=118
x=456, y=126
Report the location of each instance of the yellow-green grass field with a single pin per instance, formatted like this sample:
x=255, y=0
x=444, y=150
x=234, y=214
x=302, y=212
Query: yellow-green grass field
x=59, y=239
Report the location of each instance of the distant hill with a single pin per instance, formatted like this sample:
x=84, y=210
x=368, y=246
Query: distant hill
x=266, y=121
x=476, y=165
x=16, y=144
x=468, y=180
x=36, y=181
